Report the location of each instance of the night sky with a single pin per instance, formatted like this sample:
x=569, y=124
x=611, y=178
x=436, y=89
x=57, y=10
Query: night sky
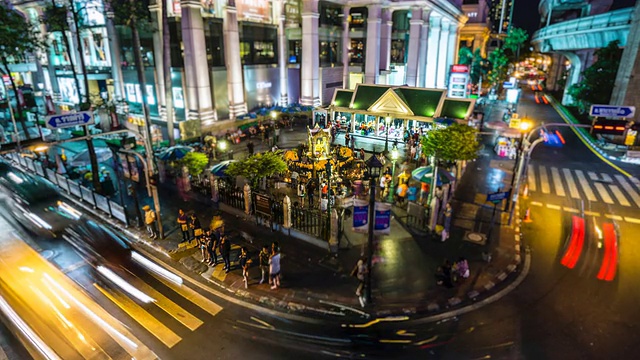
x=523, y=13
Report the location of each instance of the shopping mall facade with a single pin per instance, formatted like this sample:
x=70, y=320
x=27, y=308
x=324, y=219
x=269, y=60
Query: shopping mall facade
x=229, y=57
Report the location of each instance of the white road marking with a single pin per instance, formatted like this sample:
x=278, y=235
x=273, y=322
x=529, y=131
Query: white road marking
x=613, y=217
x=632, y=220
x=554, y=207
x=535, y=203
x=629, y=189
x=592, y=213
x=531, y=178
x=585, y=186
x=557, y=182
x=571, y=210
x=544, y=180
x=593, y=175
x=603, y=193
x=573, y=189
x=618, y=194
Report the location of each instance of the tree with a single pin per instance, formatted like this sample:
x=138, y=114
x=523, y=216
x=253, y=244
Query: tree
x=598, y=80
x=257, y=166
x=195, y=162
x=465, y=56
x=515, y=38
x=18, y=37
x=499, y=61
x=477, y=64
x=450, y=144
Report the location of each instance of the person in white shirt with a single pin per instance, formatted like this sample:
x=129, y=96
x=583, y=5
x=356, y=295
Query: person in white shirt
x=274, y=268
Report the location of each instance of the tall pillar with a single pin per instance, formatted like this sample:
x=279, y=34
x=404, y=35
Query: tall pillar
x=114, y=49
x=573, y=77
x=625, y=91
x=158, y=58
x=385, y=39
x=443, y=48
x=415, y=28
x=454, y=45
x=282, y=54
x=432, y=51
x=372, y=61
x=310, y=89
x=235, y=86
x=555, y=71
x=422, y=53
x=195, y=63
x=346, y=44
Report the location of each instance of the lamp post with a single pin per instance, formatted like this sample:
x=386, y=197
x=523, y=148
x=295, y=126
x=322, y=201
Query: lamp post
x=374, y=167
x=387, y=122
x=524, y=127
x=394, y=158
x=328, y=174
x=222, y=145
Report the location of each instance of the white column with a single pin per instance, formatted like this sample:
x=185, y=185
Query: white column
x=116, y=68
x=158, y=58
x=385, y=39
x=443, y=50
x=282, y=54
x=372, y=61
x=432, y=51
x=195, y=63
x=310, y=91
x=346, y=44
x=454, y=36
x=422, y=52
x=415, y=28
x=235, y=86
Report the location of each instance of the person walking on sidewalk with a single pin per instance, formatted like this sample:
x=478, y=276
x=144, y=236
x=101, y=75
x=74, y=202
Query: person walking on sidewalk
x=360, y=272
x=150, y=221
x=448, y=212
x=263, y=258
x=196, y=228
x=244, y=261
x=274, y=268
x=225, y=252
x=182, y=223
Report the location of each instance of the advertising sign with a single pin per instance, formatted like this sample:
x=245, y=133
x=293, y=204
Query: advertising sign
x=458, y=81
x=382, y=219
x=254, y=10
x=263, y=205
x=360, y=216
x=292, y=12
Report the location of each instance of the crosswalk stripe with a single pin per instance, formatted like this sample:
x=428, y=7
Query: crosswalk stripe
x=585, y=186
x=193, y=296
x=557, y=182
x=544, y=181
x=531, y=177
x=629, y=189
x=140, y=315
x=618, y=194
x=171, y=308
x=606, y=177
x=573, y=189
x=600, y=188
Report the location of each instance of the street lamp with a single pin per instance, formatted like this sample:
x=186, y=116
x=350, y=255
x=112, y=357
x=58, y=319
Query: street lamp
x=374, y=167
x=524, y=127
x=394, y=157
x=387, y=122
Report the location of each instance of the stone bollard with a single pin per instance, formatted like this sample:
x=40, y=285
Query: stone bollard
x=286, y=208
x=247, y=199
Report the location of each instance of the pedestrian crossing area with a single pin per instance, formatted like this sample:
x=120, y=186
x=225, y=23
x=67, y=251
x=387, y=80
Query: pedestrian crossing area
x=592, y=186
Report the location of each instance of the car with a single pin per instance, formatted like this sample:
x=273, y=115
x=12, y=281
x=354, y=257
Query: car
x=97, y=243
x=33, y=201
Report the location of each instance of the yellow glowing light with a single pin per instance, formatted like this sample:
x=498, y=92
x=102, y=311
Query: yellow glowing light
x=525, y=125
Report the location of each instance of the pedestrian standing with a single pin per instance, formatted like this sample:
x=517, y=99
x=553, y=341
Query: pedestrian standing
x=195, y=227
x=277, y=134
x=211, y=242
x=448, y=212
x=274, y=268
x=360, y=271
x=182, y=223
x=150, y=221
x=250, y=147
x=347, y=139
x=310, y=192
x=263, y=258
x=244, y=261
x=301, y=191
x=225, y=252
x=202, y=243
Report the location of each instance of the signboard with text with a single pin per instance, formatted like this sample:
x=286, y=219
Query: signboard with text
x=69, y=120
x=360, y=216
x=254, y=10
x=612, y=111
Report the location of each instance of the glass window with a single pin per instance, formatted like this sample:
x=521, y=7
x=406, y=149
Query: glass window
x=214, y=40
x=330, y=14
x=398, y=51
x=177, y=53
x=357, y=51
x=295, y=51
x=328, y=52
x=258, y=44
x=126, y=45
x=358, y=17
x=400, y=21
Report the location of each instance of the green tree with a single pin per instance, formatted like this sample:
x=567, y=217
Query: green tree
x=479, y=66
x=598, y=80
x=499, y=61
x=465, y=56
x=257, y=166
x=450, y=144
x=515, y=38
x=195, y=162
x=17, y=38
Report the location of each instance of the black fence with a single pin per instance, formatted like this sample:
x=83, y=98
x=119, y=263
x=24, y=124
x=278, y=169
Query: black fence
x=420, y=223
x=308, y=221
x=231, y=197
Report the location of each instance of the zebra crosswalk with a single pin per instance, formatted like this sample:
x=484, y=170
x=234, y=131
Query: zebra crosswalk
x=590, y=186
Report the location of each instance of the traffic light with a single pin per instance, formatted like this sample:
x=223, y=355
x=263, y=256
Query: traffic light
x=609, y=127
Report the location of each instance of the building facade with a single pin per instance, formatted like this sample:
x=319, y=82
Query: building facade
x=229, y=57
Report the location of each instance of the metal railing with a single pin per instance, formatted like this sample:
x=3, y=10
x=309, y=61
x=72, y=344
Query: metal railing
x=232, y=197
x=308, y=221
x=607, y=21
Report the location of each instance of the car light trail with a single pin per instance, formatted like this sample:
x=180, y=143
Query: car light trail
x=38, y=220
x=75, y=214
x=576, y=242
x=130, y=289
x=610, y=261
x=156, y=268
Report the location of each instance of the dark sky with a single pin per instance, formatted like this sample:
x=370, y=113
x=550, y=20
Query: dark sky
x=525, y=13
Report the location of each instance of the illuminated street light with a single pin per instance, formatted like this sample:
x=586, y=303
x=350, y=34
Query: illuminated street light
x=222, y=145
x=394, y=157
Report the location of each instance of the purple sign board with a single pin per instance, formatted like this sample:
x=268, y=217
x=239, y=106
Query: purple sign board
x=360, y=216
